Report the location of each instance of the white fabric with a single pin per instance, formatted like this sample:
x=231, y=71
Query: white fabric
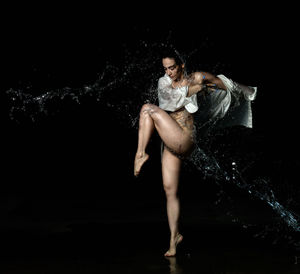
x=171, y=99
x=235, y=88
x=236, y=99
x=240, y=103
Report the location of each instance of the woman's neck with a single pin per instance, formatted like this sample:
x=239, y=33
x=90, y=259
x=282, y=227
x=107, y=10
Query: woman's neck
x=180, y=78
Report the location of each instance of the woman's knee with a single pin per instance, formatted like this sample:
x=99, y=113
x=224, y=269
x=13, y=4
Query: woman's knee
x=170, y=190
x=148, y=109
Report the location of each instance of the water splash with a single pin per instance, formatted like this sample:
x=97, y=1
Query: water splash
x=285, y=222
x=138, y=74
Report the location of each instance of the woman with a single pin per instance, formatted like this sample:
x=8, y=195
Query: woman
x=173, y=119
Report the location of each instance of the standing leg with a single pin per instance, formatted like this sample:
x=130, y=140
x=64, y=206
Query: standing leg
x=170, y=172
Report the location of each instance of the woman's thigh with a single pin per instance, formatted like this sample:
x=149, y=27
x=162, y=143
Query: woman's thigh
x=169, y=130
x=170, y=170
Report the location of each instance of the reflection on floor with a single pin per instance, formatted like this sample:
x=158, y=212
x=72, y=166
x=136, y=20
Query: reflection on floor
x=108, y=243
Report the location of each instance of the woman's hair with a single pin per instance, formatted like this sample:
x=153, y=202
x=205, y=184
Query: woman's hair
x=173, y=54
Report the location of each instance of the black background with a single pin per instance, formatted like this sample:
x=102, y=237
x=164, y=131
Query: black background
x=53, y=47
x=78, y=164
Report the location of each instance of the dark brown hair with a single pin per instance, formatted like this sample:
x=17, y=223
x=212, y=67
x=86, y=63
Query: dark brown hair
x=172, y=54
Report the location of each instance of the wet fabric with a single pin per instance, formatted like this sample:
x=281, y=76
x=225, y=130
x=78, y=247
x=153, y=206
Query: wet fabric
x=171, y=99
x=213, y=105
x=224, y=108
x=231, y=106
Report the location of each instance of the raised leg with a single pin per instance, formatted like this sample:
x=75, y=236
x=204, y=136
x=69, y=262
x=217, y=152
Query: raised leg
x=146, y=128
x=151, y=116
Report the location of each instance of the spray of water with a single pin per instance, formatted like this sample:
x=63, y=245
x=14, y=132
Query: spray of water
x=138, y=75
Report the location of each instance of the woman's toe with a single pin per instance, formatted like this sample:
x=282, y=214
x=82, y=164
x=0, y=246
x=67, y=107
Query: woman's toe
x=169, y=254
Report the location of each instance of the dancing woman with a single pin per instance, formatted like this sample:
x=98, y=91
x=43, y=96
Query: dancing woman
x=173, y=120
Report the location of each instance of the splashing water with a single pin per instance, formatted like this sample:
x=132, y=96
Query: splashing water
x=258, y=188
x=138, y=76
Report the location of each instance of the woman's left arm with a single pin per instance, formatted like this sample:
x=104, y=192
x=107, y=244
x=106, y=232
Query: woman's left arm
x=206, y=77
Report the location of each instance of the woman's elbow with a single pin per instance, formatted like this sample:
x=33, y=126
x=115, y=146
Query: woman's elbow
x=219, y=83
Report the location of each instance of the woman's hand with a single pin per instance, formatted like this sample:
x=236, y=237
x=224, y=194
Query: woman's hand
x=211, y=87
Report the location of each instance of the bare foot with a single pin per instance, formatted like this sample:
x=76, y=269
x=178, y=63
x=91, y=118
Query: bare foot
x=173, y=244
x=138, y=162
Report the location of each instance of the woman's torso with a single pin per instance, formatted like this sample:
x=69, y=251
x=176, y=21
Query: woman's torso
x=184, y=119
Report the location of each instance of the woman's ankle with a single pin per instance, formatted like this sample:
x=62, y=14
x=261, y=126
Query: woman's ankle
x=140, y=154
x=174, y=235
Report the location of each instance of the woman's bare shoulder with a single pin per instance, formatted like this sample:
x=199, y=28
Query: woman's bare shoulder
x=196, y=76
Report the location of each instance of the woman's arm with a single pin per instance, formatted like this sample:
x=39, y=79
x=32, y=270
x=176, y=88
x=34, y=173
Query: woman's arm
x=198, y=80
x=210, y=78
x=193, y=89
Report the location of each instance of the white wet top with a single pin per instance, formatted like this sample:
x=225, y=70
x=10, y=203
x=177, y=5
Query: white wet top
x=216, y=104
x=172, y=99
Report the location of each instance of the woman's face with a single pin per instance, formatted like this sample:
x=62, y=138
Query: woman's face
x=174, y=71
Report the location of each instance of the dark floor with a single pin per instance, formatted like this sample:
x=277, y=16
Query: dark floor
x=116, y=242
